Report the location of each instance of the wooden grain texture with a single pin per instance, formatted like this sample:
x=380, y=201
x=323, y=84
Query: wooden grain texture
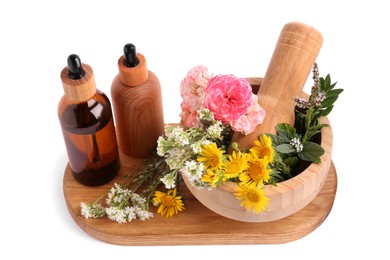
x=294, y=55
x=196, y=225
x=138, y=109
x=79, y=90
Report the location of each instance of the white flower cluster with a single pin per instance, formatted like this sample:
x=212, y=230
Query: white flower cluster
x=121, y=215
x=215, y=130
x=125, y=205
x=169, y=180
x=180, y=148
x=93, y=210
x=193, y=170
x=296, y=143
x=117, y=195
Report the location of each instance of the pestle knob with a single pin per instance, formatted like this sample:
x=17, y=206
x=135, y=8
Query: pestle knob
x=294, y=55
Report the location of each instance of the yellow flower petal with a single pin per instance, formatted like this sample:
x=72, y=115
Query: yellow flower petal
x=235, y=164
x=257, y=173
x=211, y=156
x=252, y=197
x=170, y=204
x=263, y=148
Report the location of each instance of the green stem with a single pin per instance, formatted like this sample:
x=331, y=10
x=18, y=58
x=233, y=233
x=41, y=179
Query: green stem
x=150, y=171
x=307, y=124
x=98, y=199
x=145, y=173
x=152, y=188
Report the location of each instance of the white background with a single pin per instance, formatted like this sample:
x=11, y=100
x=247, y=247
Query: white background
x=235, y=37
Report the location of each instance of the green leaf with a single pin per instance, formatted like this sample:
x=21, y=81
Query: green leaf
x=291, y=161
x=311, y=152
x=315, y=116
x=273, y=181
x=319, y=126
x=278, y=157
x=329, y=101
x=275, y=174
x=326, y=111
x=334, y=92
x=286, y=127
x=285, y=148
x=322, y=83
x=285, y=136
x=332, y=86
x=318, y=160
x=285, y=131
x=286, y=170
x=276, y=140
x=313, y=130
x=327, y=83
x=311, y=133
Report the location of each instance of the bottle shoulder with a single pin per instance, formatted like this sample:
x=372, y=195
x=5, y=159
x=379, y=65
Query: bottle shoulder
x=153, y=79
x=92, y=114
x=151, y=83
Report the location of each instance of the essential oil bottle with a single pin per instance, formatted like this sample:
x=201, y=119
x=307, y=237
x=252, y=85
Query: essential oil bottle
x=137, y=101
x=87, y=125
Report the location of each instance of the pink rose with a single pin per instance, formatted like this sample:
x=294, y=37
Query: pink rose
x=248, y=122
x=228, y=97
x=193, y=85
x=189, y=117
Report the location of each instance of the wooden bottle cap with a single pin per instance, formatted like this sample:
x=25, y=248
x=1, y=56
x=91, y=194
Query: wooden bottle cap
x=133, y=76
x=79, y=90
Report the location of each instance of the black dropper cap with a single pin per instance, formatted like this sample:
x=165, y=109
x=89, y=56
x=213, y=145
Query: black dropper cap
x=76, y=70
x=130, y=54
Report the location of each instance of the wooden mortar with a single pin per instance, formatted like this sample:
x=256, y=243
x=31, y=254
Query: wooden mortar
x=286, y=198
x=294, y=55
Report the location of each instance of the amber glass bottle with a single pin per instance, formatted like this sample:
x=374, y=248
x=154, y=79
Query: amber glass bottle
x=87, y=125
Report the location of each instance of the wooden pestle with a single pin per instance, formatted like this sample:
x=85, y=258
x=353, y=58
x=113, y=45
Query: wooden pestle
x=294, y=55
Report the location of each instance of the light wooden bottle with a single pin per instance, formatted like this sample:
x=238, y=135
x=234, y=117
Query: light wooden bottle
x=87, y=125
x=137, y=102
x=294, y=55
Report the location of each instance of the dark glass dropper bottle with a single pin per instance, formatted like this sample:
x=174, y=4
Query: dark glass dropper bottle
x=87, y=124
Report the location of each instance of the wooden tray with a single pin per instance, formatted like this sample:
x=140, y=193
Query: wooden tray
x=196, y=225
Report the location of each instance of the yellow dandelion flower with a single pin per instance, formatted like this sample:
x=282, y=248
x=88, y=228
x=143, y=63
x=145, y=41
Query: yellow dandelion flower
x=235, y=164
x=257, y=173
x=211, y=156
x=263, y=148
x=211, y=177
x=253, y=197
x=169, y=204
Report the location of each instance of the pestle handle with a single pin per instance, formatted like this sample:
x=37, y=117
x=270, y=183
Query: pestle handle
x=294, y=55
